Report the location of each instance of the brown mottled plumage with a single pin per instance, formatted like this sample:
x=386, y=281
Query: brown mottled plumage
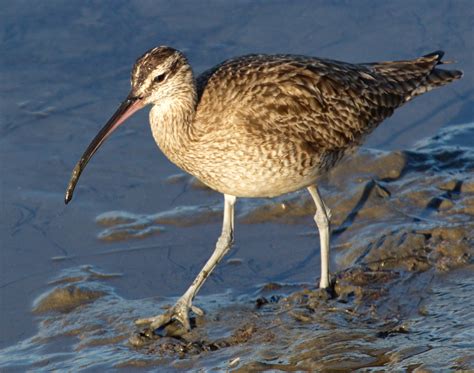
x=262, y=126
x=271, y=124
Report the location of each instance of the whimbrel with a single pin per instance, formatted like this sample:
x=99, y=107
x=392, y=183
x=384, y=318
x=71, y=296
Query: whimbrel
x=261, y=126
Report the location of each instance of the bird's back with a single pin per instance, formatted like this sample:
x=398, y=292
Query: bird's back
x=330, y=100
x=302, y=113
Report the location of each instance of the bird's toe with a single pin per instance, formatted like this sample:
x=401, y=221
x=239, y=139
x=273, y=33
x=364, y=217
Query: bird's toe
x=178, y=313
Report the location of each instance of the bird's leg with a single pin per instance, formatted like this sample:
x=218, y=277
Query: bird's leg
x=181, y=309
x=322, y=219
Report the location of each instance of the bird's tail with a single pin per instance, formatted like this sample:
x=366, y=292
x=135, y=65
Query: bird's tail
x=437, y=77
x=415, y=77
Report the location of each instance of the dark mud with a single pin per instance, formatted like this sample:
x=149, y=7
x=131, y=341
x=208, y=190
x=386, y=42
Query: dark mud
x=401, y=297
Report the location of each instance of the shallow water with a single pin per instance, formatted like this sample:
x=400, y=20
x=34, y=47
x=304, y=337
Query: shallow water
x=73, y=279
x=403, y=249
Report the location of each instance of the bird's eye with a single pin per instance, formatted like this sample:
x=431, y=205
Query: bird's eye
x=159, y=78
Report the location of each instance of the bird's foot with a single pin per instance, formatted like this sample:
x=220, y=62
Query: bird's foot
x=325, y=282
x=327, y=288
x=179, y=312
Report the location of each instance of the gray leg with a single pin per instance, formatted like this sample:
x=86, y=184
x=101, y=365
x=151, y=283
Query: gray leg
x=181, y=309
x=322, y=219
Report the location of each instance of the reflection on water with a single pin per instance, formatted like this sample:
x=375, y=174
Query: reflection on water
x=402, y=297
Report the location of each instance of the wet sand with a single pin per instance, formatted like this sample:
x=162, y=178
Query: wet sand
x=72, y=280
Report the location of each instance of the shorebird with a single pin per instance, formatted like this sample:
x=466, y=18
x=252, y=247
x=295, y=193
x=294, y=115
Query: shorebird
x=261, y=126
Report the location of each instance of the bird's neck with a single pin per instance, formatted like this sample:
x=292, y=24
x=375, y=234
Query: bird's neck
x=171, y=121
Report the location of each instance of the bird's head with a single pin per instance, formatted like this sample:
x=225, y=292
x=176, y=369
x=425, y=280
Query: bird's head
x=160, y=75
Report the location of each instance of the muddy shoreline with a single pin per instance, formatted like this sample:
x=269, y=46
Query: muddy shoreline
x=403, y=252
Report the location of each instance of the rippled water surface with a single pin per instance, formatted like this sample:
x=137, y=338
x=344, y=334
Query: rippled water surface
x=73, y=280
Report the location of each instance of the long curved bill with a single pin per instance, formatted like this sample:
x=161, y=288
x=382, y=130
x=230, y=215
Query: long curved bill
x=126, y=109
